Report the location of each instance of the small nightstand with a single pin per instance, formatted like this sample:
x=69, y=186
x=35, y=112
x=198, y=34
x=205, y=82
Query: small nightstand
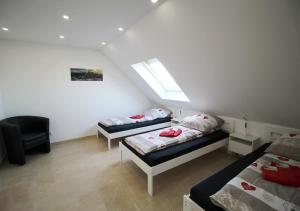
x=175, y=121
x=242, y=144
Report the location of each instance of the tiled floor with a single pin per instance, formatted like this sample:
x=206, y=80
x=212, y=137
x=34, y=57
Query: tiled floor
x=82, y=175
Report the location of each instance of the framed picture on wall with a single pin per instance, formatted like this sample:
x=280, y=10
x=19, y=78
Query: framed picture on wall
x=82, y=74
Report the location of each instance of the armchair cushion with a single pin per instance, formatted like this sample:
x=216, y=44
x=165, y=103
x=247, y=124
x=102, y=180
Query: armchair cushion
x=33, y=139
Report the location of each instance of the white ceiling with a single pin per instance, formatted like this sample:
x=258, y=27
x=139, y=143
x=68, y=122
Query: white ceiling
x=91, y=21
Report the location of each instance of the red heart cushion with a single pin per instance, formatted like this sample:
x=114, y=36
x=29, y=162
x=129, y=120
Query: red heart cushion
x=284, y=175
x=167, y=133
x=170, y=133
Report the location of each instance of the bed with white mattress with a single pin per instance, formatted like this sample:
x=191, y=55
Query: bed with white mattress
x=153, y=119
x=248, y=183
x=155, y=154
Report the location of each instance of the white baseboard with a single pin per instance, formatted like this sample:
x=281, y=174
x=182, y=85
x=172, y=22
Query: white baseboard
x=71, y=139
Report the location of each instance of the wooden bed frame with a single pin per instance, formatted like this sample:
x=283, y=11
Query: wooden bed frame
x=272, y=132
x=130, y=132
x=151, y=171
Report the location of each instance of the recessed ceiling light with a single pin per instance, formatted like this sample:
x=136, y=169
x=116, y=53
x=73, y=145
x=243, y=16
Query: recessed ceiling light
x=154, y=1
x=66, y=17
x=61, y=36
x=103, y=43
x=4, y=29
x=121, y=29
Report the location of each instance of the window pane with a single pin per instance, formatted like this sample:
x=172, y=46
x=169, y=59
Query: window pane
x=141, y=69
x=160, y=80
x=162, y=75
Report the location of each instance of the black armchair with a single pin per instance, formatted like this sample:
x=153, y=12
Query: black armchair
x=22, y=133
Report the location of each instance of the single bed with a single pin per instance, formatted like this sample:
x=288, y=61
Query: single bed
x=248, y=169
x=119, y=131
x=162, y=160
x=198, y=199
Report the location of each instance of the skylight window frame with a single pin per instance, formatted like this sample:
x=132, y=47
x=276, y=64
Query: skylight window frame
x=150, y=76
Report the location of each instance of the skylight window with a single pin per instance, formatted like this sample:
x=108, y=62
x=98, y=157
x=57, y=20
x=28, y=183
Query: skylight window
x=160, y=80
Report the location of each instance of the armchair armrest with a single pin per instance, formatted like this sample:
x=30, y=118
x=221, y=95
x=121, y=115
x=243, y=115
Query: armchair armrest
x=12, y=137
x=11, y=131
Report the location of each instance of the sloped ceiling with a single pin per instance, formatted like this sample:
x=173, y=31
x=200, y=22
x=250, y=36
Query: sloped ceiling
x=91, y=21
x=233, y=57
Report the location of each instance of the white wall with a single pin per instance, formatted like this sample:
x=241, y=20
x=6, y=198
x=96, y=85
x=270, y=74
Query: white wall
x=37, y=82
x=230, y=57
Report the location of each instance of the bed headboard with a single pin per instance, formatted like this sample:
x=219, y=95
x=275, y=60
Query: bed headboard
x=229, y=123
x=266, y=132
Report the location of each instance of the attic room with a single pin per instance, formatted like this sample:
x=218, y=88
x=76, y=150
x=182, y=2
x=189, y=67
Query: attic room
x=149, y=105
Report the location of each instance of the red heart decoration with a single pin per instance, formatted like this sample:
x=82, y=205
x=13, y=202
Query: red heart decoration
x=283, y=158
x=254, y=164
x=246, y=186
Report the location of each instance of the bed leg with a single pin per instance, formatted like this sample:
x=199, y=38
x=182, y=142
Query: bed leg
x=109, y=143
x=121, y=153
x=150, y=184
x=186, y=206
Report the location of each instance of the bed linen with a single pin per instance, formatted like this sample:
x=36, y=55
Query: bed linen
x=120, y=128
x=149, y=115
x=201, y=192
x=171, y=152
x=123, y=120
x=152, y=141
x=249, y=191
x=202, y=122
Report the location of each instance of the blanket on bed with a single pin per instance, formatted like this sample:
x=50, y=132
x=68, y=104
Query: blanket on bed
x=149, y=115
x=124, y=120
x=249, y=191
x=151, y=141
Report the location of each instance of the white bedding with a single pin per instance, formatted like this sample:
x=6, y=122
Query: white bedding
x=123, y=121
x=151, y=141
x=151, y=114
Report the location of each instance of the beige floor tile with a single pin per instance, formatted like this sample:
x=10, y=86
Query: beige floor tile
x=83, y=175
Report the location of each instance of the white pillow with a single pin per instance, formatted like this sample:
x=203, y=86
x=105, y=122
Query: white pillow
x=202, y=122
x=157, y=113
x=287, y=145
